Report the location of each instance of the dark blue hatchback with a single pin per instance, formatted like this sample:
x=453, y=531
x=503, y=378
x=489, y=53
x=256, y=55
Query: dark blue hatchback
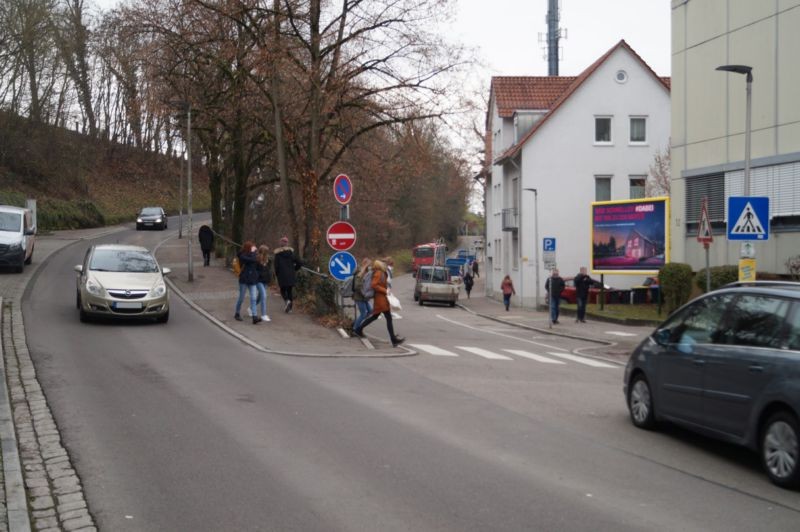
x=727, y=365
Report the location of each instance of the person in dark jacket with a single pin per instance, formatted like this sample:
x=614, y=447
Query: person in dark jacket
x=248, y=280
x=286, y=264
x=554, y=286
x=582, y=285
x=206, y=237
x=468, y=282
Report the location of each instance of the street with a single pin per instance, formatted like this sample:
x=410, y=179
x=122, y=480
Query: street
x=490, y=427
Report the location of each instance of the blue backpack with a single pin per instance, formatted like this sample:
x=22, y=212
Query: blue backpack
x=366, y=285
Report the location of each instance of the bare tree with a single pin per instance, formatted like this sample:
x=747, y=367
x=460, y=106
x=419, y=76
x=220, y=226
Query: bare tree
x=658, y=180
x=72, y=34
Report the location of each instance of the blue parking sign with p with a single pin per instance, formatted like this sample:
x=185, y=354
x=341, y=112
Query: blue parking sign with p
x=548, y=244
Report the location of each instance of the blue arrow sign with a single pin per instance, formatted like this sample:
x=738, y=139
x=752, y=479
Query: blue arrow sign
x=342, y=265
x=748, y=218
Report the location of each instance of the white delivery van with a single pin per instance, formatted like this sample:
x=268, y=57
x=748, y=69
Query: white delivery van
x=17, y=234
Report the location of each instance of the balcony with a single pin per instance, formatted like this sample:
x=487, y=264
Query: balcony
x=510, y=219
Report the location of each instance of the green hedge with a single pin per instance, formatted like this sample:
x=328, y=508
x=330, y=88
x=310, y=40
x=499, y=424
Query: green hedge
x=676, y=284
x=720, y=276
x=55, y=214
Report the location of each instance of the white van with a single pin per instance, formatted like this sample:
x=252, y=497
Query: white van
x=17, y=234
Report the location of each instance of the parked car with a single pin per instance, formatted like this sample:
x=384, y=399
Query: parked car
x=434, y=284
x=17, y=237
x=569, y=295
x=119, y=281
x=151, y=217
x=727, y=365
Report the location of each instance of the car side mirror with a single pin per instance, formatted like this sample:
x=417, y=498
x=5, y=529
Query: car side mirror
x=662, y=336
x=166, y=271
x=78, y=268
x=30, y=231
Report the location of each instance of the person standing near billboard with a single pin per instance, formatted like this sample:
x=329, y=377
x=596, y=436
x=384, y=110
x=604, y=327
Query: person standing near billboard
x=582, y=285
x=554, y=286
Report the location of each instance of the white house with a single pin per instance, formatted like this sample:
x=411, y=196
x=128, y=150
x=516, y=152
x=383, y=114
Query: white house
x=555, y=145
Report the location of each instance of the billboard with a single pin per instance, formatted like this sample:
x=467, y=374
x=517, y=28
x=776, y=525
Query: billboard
x=630, y=236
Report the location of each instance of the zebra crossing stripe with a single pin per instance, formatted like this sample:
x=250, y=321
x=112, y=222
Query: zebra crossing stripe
x=483, y=353
x=433, y=350
x=532, y=356
x=582, y=360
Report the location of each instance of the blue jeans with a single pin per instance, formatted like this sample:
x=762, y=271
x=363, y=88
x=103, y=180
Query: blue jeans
x=506, y=300
x=364, y=310
x=253, y=290
x=554, y=304
x=262, y=298
x=581, y=301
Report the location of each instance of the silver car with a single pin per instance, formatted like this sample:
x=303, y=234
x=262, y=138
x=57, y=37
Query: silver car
x=727, y=365
x=121, y=281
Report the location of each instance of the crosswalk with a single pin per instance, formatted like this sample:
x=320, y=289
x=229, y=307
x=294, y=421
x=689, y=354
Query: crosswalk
x=550, y=357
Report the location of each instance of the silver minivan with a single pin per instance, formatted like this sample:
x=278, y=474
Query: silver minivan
x=727, y=365
x=17, y=237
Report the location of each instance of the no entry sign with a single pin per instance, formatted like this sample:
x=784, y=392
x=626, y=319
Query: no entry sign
x=341, y=236
x=342, y=189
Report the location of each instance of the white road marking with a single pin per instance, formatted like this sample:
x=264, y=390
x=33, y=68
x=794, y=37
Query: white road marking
x=483, y=353
x=582, y=360
x=499, y=334
x=532, y=356
x=433, y=350
x=619, y=333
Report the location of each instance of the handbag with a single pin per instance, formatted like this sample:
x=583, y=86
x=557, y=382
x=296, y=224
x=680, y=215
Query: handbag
x=394, y=303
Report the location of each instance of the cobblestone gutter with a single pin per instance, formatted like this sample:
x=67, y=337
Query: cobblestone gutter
x=52, y=490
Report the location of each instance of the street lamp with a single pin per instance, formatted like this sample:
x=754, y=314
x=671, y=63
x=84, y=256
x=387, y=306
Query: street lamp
x=187, y=105
x=748, y=71
x=536, y=240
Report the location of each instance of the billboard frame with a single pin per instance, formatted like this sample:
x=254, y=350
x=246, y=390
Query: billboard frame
x=635, y=271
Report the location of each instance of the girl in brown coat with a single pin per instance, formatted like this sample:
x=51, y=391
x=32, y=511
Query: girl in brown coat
x=381, y=303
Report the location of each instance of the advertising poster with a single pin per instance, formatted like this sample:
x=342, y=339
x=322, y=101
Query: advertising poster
x=630, y=236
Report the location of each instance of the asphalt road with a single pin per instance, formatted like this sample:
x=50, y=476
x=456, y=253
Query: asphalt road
x=180, y=427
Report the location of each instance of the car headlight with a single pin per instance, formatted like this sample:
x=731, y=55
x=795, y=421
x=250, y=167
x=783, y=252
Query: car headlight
x=138, y=220
x=158, y=220
x=15, y=247
x=93, y=287
x=158, y=290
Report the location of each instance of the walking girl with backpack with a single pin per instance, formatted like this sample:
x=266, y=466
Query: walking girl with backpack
x=380, y=279
x=359, y=296
x=248, y=280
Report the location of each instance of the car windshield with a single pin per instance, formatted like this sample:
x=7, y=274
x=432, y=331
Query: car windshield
x=433, y=275
x=423, y=252
x=123, y=260
x=151, y=211
x=10, y=221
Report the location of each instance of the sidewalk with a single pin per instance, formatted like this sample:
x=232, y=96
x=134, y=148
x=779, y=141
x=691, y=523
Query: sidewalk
x=613, y=339
x=213, y=293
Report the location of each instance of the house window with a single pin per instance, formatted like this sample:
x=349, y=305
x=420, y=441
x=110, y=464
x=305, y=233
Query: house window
x=637, y=186
x=602, y=188
x=602, y=130
x=711, y=186
x=638, y=130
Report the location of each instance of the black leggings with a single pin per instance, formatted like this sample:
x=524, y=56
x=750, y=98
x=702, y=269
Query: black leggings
x=387, y=315
x=286, y=293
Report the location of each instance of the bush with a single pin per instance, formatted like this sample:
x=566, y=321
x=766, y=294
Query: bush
x=676, y=284
x=54, y=214
x=319, y=292
x=720, y=276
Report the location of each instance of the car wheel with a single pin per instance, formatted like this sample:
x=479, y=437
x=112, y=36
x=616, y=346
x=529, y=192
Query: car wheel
x=30, y=258
x=420, y=301
x=138, y=227
x=84, y=317
x=640, y=403
x=780, y=450
x=20, y=267
x=78, y=300
x=452, y=303
x=416, y=297
x=164, y=318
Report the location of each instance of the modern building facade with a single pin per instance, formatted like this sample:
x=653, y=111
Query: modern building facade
x=708, y=124
x=555, y=145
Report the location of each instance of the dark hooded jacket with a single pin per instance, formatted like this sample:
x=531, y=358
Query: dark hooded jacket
x=286, y=264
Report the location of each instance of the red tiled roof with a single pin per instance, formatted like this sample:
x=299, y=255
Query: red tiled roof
x=527, y=92
x=576, y=83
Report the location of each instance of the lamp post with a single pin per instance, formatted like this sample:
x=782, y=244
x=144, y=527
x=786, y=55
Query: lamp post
x=747, y=71
x=187, y=105
x=536, y=240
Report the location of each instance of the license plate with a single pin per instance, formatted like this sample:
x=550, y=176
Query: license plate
x=127, y=305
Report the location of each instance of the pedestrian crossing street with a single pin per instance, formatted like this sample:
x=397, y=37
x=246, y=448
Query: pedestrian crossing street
x=549, y=357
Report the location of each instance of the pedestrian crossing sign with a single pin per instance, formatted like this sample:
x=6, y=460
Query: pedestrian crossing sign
x=748, y=218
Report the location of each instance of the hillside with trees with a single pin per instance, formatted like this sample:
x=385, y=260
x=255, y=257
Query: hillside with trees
x=282, y=96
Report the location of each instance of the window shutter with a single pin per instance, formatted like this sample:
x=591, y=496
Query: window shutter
x=712, y=186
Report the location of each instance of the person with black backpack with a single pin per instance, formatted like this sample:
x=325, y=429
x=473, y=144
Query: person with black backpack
x=359, y=297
